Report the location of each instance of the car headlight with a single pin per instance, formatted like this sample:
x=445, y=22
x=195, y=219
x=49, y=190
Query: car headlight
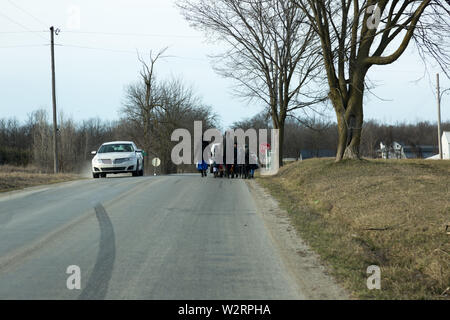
x=97, y=161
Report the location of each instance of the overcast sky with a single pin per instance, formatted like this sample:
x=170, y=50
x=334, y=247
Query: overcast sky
x=90, y=82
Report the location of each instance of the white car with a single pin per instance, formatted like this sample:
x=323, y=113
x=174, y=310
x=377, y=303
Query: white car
x=117, y=157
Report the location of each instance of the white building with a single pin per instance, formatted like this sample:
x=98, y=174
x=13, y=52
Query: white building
x=394, y=151
x=401, y=151
x=446, y=145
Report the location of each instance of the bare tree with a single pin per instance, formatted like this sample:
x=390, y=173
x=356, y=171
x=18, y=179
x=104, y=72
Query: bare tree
x=41, y=140
x=356, y=35
x=68, y=153
x=15, y=145
x=272, y=52
x=143, y=98
x=180, y=107
x=259, y=121
x=153, y=109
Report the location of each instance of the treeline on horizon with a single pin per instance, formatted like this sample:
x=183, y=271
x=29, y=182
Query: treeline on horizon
x=30, y=142
x=317, y=134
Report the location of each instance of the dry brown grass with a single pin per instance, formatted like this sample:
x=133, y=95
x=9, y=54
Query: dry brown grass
x=15, y=178
x=387, y=213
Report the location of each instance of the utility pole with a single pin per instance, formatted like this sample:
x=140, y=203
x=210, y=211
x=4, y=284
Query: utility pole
x=55, y=124
x=439, y=116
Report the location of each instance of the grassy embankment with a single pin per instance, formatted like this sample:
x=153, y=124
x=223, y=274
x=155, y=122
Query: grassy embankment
x=16, y=178
x=360, y=213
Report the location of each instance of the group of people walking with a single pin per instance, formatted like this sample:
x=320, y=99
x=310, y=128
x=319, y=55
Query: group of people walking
x=244, y=165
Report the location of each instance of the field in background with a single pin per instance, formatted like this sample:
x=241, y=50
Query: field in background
x=360, y=213
x=15, y=178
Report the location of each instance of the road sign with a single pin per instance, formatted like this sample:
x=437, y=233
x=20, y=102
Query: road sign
x=156, y=162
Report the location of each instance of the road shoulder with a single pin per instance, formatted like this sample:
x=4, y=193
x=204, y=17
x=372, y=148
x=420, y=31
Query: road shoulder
x=14, y=178
x=302, y=263
x=19, y=192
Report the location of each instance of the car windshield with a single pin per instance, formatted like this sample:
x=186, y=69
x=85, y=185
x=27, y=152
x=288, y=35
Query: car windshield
x=110, y=148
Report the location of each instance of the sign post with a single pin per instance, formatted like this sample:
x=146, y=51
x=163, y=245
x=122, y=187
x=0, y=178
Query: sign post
x=156, y=163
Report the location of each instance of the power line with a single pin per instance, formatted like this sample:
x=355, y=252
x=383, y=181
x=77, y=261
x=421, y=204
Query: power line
x=108, y=34
x=188, y=58
x=24, y=46
x=15, y=22
x=19, y=24
x=134, y=34
x=101, y=49
x=94, y=48
x=28, y=13
x=123, y=51
x=15, y=32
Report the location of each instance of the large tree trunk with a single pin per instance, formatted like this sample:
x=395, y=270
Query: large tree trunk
x=350, y=119
x=352, y=151
x=280, y=126
x=342, y=136
x=281, y=144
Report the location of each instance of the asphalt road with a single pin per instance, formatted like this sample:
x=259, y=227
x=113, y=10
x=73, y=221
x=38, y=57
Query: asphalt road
x=169, y=237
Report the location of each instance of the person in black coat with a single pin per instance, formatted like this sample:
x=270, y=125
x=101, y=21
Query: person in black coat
x=246, y=165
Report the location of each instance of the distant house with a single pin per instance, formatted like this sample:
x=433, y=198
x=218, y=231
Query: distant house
x=322, y=153
x=400, y=151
